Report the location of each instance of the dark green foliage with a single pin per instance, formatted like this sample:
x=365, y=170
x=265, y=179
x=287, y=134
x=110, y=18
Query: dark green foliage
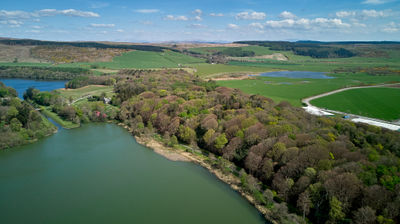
x=237, y=52
x=314, y=50
x=20, y=123
x=29, y=42
x=82, y=81
x=44, y=73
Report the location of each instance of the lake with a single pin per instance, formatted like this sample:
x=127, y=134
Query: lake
x=298, y=75
x=21, y=85
x=99, y=174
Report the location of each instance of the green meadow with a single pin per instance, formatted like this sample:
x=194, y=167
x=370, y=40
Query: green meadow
x=382, y=103
x=293, y=90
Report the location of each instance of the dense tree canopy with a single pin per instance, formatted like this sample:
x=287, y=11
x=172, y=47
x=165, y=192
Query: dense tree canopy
x=325, y=169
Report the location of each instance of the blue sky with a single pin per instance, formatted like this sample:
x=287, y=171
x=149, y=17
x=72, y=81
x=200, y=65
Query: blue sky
x=201, y=20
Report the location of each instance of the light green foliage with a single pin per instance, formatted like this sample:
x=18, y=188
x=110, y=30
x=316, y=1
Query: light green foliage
x=15, y=125
x=336, y=212
x=220, y=141
x=208, y=136
x=186, y=134
x=310, y=172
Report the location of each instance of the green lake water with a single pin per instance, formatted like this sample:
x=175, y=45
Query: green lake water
x=99, y=174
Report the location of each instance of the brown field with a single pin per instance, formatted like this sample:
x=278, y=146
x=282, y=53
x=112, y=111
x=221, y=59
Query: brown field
x=22, y=53
x=69, y=54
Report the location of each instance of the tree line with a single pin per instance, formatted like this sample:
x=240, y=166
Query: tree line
x=312, y=49
x=42, y=73
x=29, y=42
x=20, y=123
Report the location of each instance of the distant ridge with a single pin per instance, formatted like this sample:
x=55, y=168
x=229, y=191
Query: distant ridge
x=30, y=42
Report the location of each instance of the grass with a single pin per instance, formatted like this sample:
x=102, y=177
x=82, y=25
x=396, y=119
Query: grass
x=210, y=70
x=87, y=90
x=144, y=60
x=382, y=103
x=57, y=119
x=258, y=50
x=293, y=90
x=301, y=63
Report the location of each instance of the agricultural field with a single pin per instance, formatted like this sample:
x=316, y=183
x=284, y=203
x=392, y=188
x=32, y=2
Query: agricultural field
x=382, y=103
x=258, y=50
x=212, y=70
x=147, y=60
x=93, y=90
x=293, y=90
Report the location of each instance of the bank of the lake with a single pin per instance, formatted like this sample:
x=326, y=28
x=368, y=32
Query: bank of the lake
x=99, y=174
x=175, y=154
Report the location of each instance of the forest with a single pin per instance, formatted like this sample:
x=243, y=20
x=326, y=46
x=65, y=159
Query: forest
x=312, y=49
x=320, y=168
x=29, y=42
x=43, y=73
x=20, y=123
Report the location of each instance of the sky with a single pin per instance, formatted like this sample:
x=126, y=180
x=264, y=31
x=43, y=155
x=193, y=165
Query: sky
x=201, y=20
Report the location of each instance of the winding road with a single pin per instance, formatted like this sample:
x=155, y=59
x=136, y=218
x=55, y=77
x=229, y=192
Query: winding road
x=353, y=117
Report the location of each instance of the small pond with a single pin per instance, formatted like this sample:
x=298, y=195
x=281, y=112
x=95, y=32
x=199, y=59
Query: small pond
x=298, y=75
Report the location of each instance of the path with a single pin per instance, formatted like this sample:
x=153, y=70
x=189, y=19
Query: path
x=353, y=117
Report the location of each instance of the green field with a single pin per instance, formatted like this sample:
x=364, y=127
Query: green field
x=258, y=50
x=147, y=59
x=293, y=90
x=84, y=91
x=382, y=103
x=210, y=70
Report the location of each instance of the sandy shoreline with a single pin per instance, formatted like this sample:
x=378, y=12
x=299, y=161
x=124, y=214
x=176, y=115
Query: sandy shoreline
x=179, y=155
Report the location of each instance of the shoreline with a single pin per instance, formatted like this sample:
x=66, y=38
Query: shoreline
x=184, y=156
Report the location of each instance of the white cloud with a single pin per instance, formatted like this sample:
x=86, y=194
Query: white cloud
x=251, y=15
x=197, y=26
x=306, y=23
x=287, y=15
x=216, y=14
x=256, y=25
x=176, y=18
x=375, y=14
x=375, y=2
x=364, y=14
x=66, y=12
x=343, y=14
x=198, y=12
x=391, y=28
x=14, y=14
x=102, y=25
x=120, y=30
x=198, y=18
x=147, y=10
x=37, y=27
x=233, y=26
x=99, y=5
x=4, y=15
x=12, y=23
